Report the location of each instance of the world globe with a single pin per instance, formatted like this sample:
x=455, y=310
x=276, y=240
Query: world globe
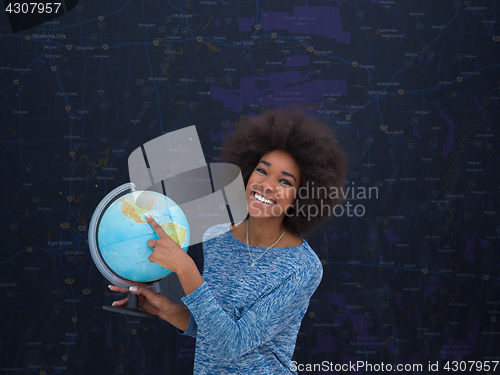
x=124, y=232
x=119, y=232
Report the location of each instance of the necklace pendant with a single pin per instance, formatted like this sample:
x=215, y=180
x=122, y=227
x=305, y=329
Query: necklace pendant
x=253, y=264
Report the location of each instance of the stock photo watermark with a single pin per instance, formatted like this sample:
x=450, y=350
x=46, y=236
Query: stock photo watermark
x=318, y=200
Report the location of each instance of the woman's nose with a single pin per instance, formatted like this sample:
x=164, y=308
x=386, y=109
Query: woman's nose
x=267, y=185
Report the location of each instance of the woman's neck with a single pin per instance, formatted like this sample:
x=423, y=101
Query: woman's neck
x=264, y=232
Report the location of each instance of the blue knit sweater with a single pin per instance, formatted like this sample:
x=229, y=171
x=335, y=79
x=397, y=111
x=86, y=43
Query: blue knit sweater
x=246, y=319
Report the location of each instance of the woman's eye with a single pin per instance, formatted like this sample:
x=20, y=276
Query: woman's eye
x=260, y=170
x=286, y=182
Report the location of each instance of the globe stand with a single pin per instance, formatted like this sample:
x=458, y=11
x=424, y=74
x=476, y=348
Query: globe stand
x=131, y=308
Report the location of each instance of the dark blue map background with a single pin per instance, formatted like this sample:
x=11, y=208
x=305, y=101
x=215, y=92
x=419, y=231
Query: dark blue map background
x=412, y=90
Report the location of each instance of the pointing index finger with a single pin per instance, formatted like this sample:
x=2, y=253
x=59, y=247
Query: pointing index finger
x=157, y=228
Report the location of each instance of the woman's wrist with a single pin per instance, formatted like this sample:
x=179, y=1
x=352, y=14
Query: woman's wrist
x=185, y=262
x=176, y=315
x=189, y=276
x=167, y=311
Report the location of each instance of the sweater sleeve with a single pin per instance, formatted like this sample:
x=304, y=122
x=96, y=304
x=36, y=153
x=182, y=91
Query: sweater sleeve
x=192, y=328
x=259, y=324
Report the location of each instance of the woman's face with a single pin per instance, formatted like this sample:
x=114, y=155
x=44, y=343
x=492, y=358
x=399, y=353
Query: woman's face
x=272, y=185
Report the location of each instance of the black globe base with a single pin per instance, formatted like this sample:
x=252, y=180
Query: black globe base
x=131, y=308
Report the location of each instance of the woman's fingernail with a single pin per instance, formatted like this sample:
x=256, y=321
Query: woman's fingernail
x=148, y=216
x=133, y=288
x=113, y=303
x=109, y=286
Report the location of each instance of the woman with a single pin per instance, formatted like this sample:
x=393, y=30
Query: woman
x=259, y=274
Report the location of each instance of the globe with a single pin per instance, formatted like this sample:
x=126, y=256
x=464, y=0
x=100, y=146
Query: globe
x=118, y=236
x=123, y=234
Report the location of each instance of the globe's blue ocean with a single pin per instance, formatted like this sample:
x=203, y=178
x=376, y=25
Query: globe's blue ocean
x=123, y=234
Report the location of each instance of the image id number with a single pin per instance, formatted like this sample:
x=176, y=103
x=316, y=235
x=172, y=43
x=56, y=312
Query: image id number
x=470, y=366
x=33, y=7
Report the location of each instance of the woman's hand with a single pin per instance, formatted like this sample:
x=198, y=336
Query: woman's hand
x=166, y=252
x=151, y=302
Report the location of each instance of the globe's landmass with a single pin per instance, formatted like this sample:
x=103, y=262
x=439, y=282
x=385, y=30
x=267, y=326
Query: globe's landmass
x=174, y=230
x=123, y=234
x=134, y=212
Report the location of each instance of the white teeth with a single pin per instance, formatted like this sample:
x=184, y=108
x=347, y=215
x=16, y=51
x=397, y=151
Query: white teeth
x=262, y=199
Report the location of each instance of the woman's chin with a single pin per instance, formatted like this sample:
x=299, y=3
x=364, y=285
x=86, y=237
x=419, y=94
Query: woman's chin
x=261, y=210
x=262, y=214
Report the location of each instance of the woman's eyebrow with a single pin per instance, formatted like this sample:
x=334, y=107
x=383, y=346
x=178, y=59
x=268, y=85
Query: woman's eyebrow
x=285, y=173
x=289, y=174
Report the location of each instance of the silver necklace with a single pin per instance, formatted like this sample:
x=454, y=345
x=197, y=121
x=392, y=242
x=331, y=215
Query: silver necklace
x=260, y=256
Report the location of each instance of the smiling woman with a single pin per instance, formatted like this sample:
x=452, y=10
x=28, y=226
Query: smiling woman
x=259, y=274
x=314, y=150
x=271, y=187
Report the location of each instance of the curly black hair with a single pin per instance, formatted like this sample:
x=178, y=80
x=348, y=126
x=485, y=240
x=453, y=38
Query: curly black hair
x=322, y=163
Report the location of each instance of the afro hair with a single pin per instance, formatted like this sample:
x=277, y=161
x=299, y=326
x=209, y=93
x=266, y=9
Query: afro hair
x=322, y=163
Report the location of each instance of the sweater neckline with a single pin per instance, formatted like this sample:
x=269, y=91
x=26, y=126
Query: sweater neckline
x=262, y=247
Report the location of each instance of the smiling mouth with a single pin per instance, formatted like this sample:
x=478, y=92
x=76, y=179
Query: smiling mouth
x=261, y=199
